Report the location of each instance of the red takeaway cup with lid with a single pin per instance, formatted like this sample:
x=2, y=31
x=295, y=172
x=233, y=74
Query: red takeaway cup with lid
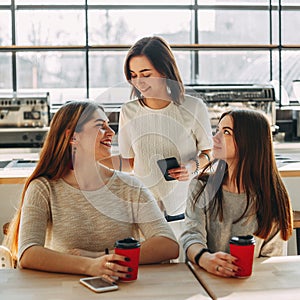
x=242, y=247
x=130, y=248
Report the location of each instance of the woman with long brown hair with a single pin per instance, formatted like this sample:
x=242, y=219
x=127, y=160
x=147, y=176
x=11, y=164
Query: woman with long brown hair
x=244, y=195
x=72, y=202
x=162, y=121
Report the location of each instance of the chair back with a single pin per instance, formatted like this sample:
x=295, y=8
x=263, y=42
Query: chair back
x=6, y=261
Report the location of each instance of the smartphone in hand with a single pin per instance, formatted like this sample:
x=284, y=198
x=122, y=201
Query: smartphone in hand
x=167, y=164
x=98, y=284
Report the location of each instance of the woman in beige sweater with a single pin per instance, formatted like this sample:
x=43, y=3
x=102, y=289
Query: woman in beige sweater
x=71, y=201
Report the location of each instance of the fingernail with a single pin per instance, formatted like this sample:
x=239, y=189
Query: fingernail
x=129, y=269
x=128, y=275
x=127, y=258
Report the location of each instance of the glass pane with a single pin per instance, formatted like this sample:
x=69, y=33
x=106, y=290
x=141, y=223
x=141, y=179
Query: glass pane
x=5, y=28
x=290, y=71
x=125, y=27
x=63, y=74
x=241, y=1
x=141, y=2
x=4, y=2
x=235, y=27
x=5, y=71
x=46, y=2
x=275, y=28
x=289, y=1
x=290, y=21
x=107, y=80
x=176, y=2
x=42, y=27
x=218, y=67
x=113, y=94
x=106, y=69
x=184, y=63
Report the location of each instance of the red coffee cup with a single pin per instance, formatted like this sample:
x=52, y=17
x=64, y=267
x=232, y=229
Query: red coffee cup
x=242, y=247
x=130, y=248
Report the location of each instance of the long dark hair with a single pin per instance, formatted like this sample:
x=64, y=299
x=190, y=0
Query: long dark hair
x=55, y=156
x=159, y=53
x=256, y=171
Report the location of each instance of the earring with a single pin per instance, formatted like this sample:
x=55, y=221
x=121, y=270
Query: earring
x=169, y=90
x=72, y=161
x=74, y=149
x=73, y=139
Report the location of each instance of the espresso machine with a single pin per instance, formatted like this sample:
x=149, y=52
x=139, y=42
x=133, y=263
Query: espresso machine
x=24, y=119
x=221, y=98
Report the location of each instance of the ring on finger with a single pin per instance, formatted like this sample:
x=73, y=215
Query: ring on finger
x=108, y=265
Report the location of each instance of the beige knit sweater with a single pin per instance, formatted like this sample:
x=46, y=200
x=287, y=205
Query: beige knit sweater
x=61, y=217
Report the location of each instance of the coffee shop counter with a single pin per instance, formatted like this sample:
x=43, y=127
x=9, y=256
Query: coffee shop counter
x=288, y=158
x=16, y=172
x=16, y=164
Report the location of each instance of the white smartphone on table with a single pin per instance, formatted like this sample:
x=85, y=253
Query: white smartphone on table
x=98, y=284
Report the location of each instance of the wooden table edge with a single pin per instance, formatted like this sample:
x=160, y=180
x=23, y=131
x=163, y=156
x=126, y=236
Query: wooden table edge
x=205, y=287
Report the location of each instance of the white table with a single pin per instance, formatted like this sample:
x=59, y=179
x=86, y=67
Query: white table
x=160, y=281
x=272, y=278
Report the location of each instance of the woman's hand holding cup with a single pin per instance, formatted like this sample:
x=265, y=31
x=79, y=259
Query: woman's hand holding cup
x=109, y=267
x=219, y=263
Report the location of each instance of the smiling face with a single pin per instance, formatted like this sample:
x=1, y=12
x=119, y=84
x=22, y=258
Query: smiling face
x=146, y=78
x=95, y=138
x=224, y=143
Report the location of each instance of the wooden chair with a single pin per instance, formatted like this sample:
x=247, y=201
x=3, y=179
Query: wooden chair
x=6, y=261
x=296, y=225
x=5, y=228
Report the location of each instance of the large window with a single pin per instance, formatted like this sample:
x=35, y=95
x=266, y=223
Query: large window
x=76, y=48
x=125, y=27
x=50, y=27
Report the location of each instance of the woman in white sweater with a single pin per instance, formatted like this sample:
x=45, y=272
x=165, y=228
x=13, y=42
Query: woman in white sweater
x=71, y=201
x=161, y=122
x=244, y=195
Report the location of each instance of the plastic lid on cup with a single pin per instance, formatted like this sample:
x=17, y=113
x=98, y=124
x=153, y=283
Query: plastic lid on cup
x=127, y=243
x=242, y=240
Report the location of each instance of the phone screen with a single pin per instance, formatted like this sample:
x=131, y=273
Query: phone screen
x=167, y=164
x=98, y=284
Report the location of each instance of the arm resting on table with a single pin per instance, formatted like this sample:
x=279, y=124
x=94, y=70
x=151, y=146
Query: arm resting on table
x=158, y=249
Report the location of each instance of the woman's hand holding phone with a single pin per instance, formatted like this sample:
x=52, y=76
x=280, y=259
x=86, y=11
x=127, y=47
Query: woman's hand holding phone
x=172, y=170
x=180, y=174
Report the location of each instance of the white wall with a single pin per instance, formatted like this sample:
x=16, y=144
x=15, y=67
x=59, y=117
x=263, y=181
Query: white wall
x=10, y=195
x=293, y=186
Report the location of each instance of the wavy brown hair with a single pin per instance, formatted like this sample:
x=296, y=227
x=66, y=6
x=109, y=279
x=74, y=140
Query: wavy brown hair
x=256, y=172
x=159, y=53
x=56, y=155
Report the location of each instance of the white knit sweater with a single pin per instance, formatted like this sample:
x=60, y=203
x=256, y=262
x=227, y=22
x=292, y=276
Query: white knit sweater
x=148, y=135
